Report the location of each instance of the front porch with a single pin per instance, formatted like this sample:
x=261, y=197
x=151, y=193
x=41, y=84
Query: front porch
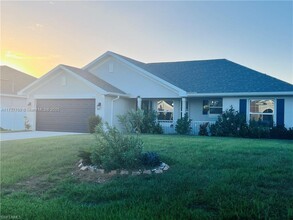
x=199, y=110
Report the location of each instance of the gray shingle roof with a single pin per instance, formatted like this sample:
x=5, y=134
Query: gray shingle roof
x=13, y=80
x=93, y=79
x=213, y=76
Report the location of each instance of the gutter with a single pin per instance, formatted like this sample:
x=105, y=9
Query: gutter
x=14, y=96
x=194, y=94
x=112, y=108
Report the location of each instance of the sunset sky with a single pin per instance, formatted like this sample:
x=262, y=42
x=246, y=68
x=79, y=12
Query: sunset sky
x=37, y=36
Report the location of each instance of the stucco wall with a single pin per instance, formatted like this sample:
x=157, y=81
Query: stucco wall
x=120, y=107
x=131, y=81
x=231, y=101
x=13, y=111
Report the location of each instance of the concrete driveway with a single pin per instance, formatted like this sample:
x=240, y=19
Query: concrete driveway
x=31, y=134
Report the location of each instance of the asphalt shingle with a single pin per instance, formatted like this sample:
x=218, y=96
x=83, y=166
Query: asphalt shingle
x=213, y=76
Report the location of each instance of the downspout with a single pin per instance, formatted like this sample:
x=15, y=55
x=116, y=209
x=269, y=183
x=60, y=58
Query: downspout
x=112, y=108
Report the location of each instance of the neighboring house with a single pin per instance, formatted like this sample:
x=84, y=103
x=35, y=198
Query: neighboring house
x=113, y=84
x=13, y=106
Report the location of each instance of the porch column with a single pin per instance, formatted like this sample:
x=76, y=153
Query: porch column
x=183, y=103
x=138, y=102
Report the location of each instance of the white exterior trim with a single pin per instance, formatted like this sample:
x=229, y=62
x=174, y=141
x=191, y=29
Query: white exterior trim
x=14, y=96
x=84, y=96
x=240, y=94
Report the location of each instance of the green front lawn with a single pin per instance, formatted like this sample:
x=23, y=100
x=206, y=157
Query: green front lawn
x=209, y=178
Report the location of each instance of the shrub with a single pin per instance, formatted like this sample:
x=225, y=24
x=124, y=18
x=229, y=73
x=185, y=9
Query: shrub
x=93, y=122
x=183, y=125
x=278, y=132
x=290, y=133
x=27, y=124
x=85, y=155
x=231, y=124
x=114, y=150
x=203, y=131
x=257, y=129
x=150, y=159
x=132, y=121
x=281, y=132
x=150, y=124
x=141, y=122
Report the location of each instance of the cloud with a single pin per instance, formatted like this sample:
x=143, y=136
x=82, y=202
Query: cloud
x=36, y=26
x=20, y=56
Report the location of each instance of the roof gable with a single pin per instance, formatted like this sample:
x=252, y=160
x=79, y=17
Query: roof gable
x=92, y=81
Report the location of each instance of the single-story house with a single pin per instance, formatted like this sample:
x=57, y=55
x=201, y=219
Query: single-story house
x=113, y=84
x=12, y=105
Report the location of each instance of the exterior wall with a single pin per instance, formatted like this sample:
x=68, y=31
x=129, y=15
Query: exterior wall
x=231, y=101
x=120, y=107
x=288, y=117
x=131, y=81
x=62, y=86
x=195, y=110
x=13, y=112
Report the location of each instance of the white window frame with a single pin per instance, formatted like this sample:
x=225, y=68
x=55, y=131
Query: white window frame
x=261, y=113
x=209, y=105
x=165, y=111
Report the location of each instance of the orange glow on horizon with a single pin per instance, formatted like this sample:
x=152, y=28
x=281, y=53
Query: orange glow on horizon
x=32, y=65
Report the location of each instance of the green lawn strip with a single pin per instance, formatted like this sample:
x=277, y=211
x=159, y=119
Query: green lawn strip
x=209, y=178
x=32, y=157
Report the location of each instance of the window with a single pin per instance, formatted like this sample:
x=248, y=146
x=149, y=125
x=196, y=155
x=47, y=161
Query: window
x=165, y=109
x=212, y=106
x=262, y=110
x=147, y=105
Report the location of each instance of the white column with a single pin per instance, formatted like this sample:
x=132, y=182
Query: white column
x=183, y=103
x=138, y=102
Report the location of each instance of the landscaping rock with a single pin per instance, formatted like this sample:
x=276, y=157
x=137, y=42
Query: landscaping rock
x=147, y=172
x=92, y=168
x=113, y=172
x=124, y=172
x=100, y=171
x=158, y=171
x=166, y=167
x=135, y=173
x=83, y=168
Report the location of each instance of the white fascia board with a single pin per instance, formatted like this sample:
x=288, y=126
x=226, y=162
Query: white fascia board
x=191, y=94
x=13, y=96
x=140, y=70
x=73, y=96
x=118, y=94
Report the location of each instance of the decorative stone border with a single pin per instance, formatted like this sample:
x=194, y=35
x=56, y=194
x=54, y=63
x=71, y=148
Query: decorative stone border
x=158, y=170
